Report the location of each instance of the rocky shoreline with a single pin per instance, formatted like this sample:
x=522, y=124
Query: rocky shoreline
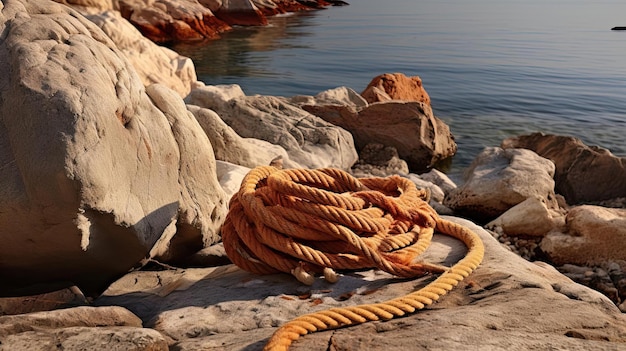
x=118, y=166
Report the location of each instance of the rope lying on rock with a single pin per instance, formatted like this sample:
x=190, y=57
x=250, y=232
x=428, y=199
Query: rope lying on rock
x=307, y=222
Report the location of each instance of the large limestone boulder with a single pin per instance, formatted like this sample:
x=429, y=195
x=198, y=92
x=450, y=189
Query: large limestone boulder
x=172, y=20
x=202, y=203
x=411, y=127
x=506, y=304
x=309, y=141
x=395, y=86
x=583, y=173
x=499, y=179
x=594, y=235
x=153, y=63
x=94, y=169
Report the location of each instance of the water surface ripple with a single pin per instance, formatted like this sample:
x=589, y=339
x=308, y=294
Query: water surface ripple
x=493, y=68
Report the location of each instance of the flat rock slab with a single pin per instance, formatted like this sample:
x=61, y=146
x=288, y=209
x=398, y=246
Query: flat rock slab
x=507, y=303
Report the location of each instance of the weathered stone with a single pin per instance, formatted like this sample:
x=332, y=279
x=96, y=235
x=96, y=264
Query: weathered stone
x=202, y=204
x=71, y=317
x=595, y=234
x=529, y=217
x=496, y=306
x=172, y=20
x=230, y=147
x=241, y=13
x=595, y=277
x=153, y=63
x=617, y=272
x=82, y=338
x=268, y=7
x=309, y=141
x=378, y=160
x=90, y=6
x=499, y=179
x=211, y=256
x=340, y=97
x=212, y=5
x=70, y=297
x=583, y=173
x=92, y=167
x=440, y=179
x=230, y=176
x=420, y=138
x=275, y=7
x=395, y=86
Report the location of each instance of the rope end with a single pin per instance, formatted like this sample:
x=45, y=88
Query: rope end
x=330, y=275
x=303, y=276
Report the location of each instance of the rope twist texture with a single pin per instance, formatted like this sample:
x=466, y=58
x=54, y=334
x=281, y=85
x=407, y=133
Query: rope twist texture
x=307, y=222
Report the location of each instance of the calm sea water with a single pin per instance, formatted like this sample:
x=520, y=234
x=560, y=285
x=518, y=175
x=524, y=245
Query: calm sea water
x=493, y=68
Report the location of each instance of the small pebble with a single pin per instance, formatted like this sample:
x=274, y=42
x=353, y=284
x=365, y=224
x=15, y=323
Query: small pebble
x=601, y=273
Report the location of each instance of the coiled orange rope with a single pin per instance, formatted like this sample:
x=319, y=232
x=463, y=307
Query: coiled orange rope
x=306, y=222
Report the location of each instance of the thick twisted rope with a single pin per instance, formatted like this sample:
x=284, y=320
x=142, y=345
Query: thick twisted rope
x=305, y=222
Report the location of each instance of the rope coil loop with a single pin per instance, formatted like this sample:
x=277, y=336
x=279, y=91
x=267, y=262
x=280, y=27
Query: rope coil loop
x=308, y=222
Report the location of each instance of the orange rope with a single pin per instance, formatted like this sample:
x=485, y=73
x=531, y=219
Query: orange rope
x=306, y=222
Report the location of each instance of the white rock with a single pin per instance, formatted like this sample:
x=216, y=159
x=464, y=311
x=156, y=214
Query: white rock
x=230, y=176
x=309, y=141
x=93, y=170
x=596, y=235
x=529, y=217
x=342, y=96
x=500, y=179
x=230, y=147
x=440, y=179
x=153, y=63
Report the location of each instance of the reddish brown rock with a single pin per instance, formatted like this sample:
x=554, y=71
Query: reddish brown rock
x=275, y=7
x=583, y=173
x=173, y=20
x=420, y=138
x=315, y=4
x=192, y=20
x=241, y=13
x=396, y=86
